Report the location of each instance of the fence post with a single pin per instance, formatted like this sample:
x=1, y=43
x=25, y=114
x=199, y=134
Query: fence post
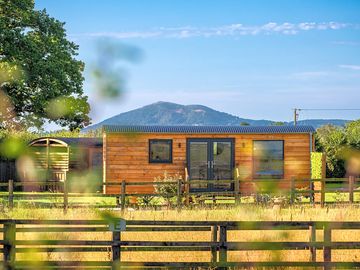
x=327, y=247
x=351, y=189
x=312, y=230
x=9, y=236
x=11, y=193
x=292, y=190
x=312, y=194
x=116, y=250
x=187, y=187
x=223, y=245
x=237, y=192
x=66, y=197
x=179, y=186
x=322, y=197
x=187, y=192
x=214, y=233
x=123, y=194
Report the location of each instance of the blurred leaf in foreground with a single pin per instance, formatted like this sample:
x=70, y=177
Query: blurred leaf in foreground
x=108, y=73
x=69, y=111
x=12, y=147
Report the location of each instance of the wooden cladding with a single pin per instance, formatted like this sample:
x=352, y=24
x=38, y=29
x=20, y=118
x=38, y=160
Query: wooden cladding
x=126, y=157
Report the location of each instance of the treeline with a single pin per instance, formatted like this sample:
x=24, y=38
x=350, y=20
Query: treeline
x=340, y=144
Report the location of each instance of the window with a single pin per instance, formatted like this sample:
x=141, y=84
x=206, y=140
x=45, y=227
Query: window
x=268, y=159
x=160, y=151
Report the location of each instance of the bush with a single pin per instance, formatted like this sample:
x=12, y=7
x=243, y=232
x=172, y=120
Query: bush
x=168, y=190
x=146, y=200
x=316, y=165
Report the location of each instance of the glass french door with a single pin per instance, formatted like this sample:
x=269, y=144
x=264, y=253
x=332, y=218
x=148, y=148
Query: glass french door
x=209, y=160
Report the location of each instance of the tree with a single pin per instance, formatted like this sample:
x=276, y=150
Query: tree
x=339, y=144
x=39, y=71
x=353, y=134
x=279, y=123
x=330, y=140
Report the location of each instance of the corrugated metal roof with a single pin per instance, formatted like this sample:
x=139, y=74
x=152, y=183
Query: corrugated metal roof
x=82, y=141
x=208, y=129
x=85, y=142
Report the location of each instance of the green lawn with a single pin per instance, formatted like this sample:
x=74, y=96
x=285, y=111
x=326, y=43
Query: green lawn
x=56, y=199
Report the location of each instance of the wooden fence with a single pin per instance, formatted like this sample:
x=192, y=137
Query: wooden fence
x=314, y=189
x=7, y=170
x=18, y=250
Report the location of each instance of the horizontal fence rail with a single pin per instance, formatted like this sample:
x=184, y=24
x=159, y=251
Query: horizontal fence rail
x=289, y=190
x=118, y=240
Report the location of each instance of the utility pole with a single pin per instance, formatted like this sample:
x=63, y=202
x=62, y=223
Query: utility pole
x=296, y=115
x=297, y=112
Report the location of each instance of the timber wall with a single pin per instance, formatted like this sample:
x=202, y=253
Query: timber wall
x=126, y=156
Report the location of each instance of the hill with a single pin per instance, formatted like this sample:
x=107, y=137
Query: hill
x=167, y=113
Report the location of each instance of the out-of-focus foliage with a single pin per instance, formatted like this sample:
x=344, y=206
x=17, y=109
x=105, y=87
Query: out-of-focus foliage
x=334, y=142
x=316, y=165
x=12, y=147
x=13, y=144
x=68, y=111
x=38, y=68
x=108, y=75
x=18, y=139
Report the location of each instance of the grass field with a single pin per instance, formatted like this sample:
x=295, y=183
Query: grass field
x=343, y=212
x=242, y=213
x=98, y=200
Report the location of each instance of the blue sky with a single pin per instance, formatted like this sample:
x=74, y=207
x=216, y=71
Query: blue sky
x=254, y=59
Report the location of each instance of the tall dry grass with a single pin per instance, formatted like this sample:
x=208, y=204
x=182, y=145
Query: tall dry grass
x=231, y=213
x=248, y=213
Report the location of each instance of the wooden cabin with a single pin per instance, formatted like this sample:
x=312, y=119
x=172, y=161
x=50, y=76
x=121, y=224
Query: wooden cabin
x=64, y=159
x=141, y=153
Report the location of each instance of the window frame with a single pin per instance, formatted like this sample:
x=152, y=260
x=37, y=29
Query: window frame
x=255, y=175
x=168, y=161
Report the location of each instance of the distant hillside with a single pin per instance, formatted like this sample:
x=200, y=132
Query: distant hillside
x=166, y=113
x=320, y=122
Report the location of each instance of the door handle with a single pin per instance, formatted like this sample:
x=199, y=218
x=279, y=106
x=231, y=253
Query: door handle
x=209, y=164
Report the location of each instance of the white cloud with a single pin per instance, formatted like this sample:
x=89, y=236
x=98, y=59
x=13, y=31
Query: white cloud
x=225, y=30
x=124, y=35
x=350, y=43
x=352, y=67
x=306, y=75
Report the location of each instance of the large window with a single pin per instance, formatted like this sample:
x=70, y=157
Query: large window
x=268, y=159
x=160, y=151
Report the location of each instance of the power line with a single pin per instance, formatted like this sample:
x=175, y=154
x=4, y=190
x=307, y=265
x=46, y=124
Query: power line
x=297, y=110
x=328, y=109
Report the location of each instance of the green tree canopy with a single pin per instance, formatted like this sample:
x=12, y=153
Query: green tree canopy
x=336, y=142
x=279, y=123
x=39, y=71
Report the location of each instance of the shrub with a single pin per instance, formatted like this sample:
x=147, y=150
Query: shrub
x=146, y=200
x=168, y=190
x=316, y=165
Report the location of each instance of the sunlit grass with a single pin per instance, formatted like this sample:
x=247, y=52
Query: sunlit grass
x=242, y=213
x=52, y=199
